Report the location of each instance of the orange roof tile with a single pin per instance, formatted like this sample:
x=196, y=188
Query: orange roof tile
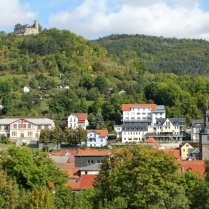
x=87, y=181
x=72, y=172
x=175, y=152
x=73, y=185
x=127, y=107
x=102, y=133
x=81, y=116
x=193, y=165
x=93, y=152
x=153, y=141
x=60, y=153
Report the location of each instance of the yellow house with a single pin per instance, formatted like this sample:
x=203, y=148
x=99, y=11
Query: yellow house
x=184, y=151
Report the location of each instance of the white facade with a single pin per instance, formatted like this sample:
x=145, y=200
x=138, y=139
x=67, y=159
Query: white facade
x=118, y=130
x=143, y=113
x=25, y=127
x=97, y=138
x=133, y=136
x=26, y=89
x=141, y=119
x=78, y=120
x=167, y=127
x=195, y=129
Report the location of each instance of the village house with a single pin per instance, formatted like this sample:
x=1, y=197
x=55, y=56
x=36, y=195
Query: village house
x=141, y=121
x=87, y=157
x=97, y=138
x=185, y=151
x=196, y=126
x=26, y=128
x=76, y=120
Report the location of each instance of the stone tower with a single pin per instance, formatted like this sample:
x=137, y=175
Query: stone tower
x=204, y=137
x=36, y=25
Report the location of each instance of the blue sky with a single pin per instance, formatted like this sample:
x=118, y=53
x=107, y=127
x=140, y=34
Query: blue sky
x=93, y=19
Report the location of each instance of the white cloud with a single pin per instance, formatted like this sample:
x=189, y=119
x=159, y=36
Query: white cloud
x=168, y=18
x=13, y=12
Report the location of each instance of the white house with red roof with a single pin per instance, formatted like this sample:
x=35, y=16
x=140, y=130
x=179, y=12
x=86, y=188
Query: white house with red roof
x=97, y=138
x=76, y=120
x=143, y=113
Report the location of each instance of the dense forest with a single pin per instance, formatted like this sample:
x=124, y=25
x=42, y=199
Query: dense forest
x=179, y=56
x=96, y=75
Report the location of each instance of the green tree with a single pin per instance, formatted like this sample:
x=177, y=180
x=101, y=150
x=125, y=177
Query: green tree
x=31, y=169
x=57, y=136
x=40, y=198
x=102, y=84
x=45, y=136
x=9, y=192
x=149, y=176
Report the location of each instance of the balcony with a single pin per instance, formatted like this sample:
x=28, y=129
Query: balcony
x=164, y=135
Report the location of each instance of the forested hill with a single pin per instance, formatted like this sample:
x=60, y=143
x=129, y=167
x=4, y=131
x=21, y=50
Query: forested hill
x=52, y=51
x=180, y=56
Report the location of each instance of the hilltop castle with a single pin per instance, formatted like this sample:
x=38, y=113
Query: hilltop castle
x=27, y=29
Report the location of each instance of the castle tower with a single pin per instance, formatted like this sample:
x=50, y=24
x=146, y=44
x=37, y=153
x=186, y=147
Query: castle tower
x=204, y=137
x=36, y=25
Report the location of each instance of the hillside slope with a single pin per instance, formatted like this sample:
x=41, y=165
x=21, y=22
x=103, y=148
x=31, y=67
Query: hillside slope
x=180, y=56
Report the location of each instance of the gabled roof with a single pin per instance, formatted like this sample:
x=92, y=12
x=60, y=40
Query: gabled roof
x=127, y=107
x=34, y=120
x=92, y=167
x=197, y=122
x=81, y=116
x=153, y=141
x=193, y=165
x=87, y=181
x=92, y=152
x=102, y=133
x=184, y=145
x=174, y=121
x=175, y=152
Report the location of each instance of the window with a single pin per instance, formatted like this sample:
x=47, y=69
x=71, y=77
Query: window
x=14, y=133
x=39, y=127
x=90, y=161
x=36, y=135
x=45, y=126
x=99, y=161
x=101, y=140
x=29, y=125
x=30, y=133
x=14, y=125
x=183, y=150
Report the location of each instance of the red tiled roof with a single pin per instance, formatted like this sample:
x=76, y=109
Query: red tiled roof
x=73, y=185
x=86, y=181
x=153, y=141
x=175, y=152
x=127, y=107
x=193, y=165
x=102, y=133
x=81, y=116
x=93, y=152
x=72, y=172
x=60, y=153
